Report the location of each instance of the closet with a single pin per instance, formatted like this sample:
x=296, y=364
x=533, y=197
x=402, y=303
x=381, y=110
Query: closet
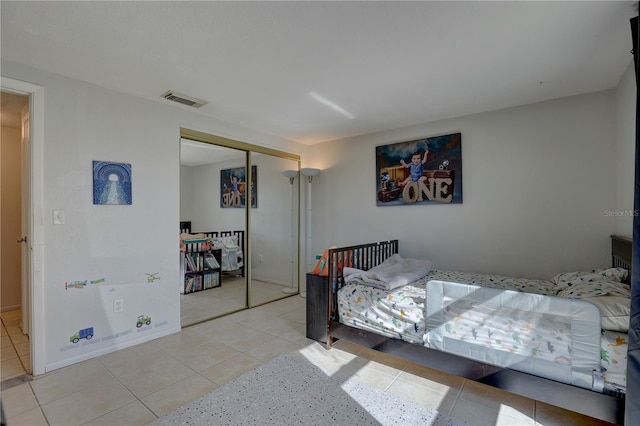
x=237, y=194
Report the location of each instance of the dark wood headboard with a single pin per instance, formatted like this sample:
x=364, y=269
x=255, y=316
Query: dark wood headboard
x=621, y=253
x=362, y=256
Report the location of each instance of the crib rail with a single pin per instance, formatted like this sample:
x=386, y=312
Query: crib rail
x=621, y=253
x=362, y=256
x=239, y=234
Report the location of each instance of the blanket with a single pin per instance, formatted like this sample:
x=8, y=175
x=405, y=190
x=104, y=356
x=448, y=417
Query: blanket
x=394, y=272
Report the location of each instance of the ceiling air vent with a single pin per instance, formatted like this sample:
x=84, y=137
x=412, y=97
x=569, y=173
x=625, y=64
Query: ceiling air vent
x=183, y=99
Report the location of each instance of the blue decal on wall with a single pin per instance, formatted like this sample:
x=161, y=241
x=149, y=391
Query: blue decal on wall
x=111, y=183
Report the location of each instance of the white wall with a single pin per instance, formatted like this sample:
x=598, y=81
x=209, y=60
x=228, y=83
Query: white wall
x=120, y=244
x=536, y=182
x=626, y=161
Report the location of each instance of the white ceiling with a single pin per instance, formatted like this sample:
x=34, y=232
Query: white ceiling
x=314, y=71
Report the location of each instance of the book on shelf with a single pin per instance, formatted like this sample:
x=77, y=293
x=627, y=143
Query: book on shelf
x=211, y=261
x=190, y=262
x=211, y=280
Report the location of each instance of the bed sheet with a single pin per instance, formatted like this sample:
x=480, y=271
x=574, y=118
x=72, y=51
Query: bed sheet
x=400, y=314
x=613, y=356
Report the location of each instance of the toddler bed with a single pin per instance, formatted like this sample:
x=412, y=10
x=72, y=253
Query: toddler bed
x=499, y=330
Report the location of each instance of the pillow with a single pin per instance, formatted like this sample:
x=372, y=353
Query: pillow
x=582, y=290
x=568, y=279
x=614, y=312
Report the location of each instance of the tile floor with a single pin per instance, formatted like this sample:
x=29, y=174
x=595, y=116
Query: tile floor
x=15, y=346
x=136, y=385
x=229, y=297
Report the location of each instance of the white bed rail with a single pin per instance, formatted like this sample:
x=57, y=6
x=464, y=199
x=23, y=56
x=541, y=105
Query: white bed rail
x=546, y=336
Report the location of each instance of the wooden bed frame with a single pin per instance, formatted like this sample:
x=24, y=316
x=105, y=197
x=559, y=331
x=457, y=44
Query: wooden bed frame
x=599, y=405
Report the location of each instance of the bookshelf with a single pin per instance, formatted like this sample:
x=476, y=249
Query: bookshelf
x=200, y=268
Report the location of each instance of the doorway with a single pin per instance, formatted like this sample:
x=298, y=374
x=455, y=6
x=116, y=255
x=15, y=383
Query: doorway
x=14, y=315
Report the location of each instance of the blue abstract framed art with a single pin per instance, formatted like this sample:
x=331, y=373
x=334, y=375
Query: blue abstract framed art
x=111, y=183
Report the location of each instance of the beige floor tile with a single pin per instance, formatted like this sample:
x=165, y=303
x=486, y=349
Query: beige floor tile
x=271, y=349
x=273, y=325
x=15, y=333
x=5, y=341
x=7, y=353
x=372, y=377
x=230, y=369
x=23, y=348
x=18, y=399
x=441, y=399
x=221, y=329
x=298, y=336
x=133, y=356
x=177, y=342
x=146, y=376
x=431, y=378
x=332, y=362
x=11, y=368
x=26, y=363
x=33, y=417
x=68, y=380
x=299, y=316
x=284, y=306
x=204, y=356
x=245, y=338
x=178, y=394
x=13, y=317
x=382, y=362
x=94, y=400
x=250, y=316
x=132, y=414
x=496, y=399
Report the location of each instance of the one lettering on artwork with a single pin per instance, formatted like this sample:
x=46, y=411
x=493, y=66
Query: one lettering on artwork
x=231, y=199
x=433, y=188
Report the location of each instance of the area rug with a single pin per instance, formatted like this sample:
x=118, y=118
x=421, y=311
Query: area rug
x=290, y=390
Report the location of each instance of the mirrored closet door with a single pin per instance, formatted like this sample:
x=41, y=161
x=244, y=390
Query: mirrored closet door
x=249, y=218
x=274, y=229
x=212, y=273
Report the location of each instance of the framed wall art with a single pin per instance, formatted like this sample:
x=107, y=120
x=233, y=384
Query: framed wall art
x=422, y=171
x=233, y=187
x=111, y=183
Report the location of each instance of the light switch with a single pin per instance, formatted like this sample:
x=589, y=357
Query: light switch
x=58, y=217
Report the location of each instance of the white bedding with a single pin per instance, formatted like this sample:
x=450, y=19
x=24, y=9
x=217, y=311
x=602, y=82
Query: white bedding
x=400, y=313
x=231, y=253
x=392, y=273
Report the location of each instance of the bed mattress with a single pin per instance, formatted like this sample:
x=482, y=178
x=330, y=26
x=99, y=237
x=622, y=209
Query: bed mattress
x=400, y=314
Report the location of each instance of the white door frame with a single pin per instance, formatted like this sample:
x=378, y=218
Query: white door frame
x=35, y=217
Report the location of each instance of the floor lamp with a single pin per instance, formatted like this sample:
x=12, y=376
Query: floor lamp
x=291, y=174
x=309, y=173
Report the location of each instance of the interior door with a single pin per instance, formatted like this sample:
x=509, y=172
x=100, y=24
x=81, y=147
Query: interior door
x=25, y=266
